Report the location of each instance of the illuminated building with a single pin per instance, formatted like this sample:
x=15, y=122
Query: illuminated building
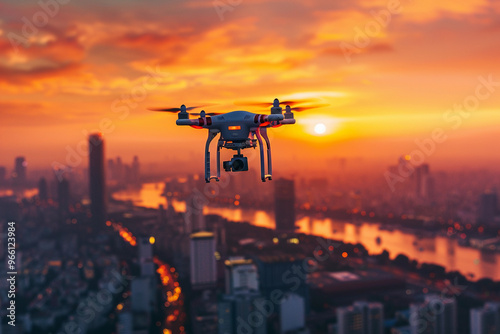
x=361, y=318
x=203, y=270
x=146, y=256
x=241, y=275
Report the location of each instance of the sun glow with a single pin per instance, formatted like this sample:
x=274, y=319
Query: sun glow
x=320, y=128
x=320, y=125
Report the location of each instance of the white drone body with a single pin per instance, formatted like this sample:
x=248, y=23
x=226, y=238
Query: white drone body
x=238, y=130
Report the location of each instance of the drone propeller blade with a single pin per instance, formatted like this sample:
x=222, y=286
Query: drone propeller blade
x=295, y=102
x=300, y=109
x=174, y=110
x=206, y=114
x=196, y=107
x=270, y=104
x=253, y=104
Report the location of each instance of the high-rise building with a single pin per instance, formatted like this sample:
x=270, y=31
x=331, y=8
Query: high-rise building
x=436, y=315
x=97, y=179
x=203, y=270
x=146, y=256
x=373, y=317
x=111, y=170
x=274, y=274
x=3, y=175
x=135, y=170
x=43, y=190
x=284, y=197
x=63, y=197
x=119, y=169
x=361, y=318
x=485, y=320
x=240, y=314
x=125, y=323
x=194, y=219
x=292, y=313
x=241, y=275
x=142, y=295
x=349, y=320
x=424, y=182
x=488, y=207
x=19, y=175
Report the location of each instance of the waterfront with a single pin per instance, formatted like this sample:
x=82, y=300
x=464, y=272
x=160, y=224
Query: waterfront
x=439, y=250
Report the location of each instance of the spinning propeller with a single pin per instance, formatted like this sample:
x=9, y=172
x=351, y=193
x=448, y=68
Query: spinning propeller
x=176, y=110
x=286, y=103
x=183, y=108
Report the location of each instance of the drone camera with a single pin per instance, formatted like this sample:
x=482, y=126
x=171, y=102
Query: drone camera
x=238, y=163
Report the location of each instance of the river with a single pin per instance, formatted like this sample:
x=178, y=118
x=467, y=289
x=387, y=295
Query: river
x=439, y=250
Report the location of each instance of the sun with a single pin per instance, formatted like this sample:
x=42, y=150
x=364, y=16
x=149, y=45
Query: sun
x=320, y=128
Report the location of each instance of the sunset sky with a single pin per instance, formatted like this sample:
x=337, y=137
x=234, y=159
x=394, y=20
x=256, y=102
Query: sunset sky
x=92, y=64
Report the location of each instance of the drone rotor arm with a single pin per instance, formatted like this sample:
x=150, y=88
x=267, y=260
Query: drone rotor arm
x=190, y=122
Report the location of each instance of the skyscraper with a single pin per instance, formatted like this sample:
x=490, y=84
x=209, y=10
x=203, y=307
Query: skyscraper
x=436, y=315
x=349, y=320
x=361, y=318
x=292, y=313
x=63, y=198
x=424, y=182
x=284, y=201
x=19, y=175
x=97, y=179
x=239, y=314
x=485, y=320
x=135, y=170
x=488, y=207
x=194, y=219
x=241, y=275
x=43, y=191
x=3, y=174
x=146, y=256
x=202, y=259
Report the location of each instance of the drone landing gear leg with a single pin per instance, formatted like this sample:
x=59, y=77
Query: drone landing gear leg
x=263, y=174
x=208, y=176
x=263, y=132
x=219, y=146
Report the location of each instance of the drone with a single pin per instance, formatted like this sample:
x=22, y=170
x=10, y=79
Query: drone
x=238, y=130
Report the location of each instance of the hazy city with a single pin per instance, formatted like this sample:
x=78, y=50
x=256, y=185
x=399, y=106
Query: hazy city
x=363, y=200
